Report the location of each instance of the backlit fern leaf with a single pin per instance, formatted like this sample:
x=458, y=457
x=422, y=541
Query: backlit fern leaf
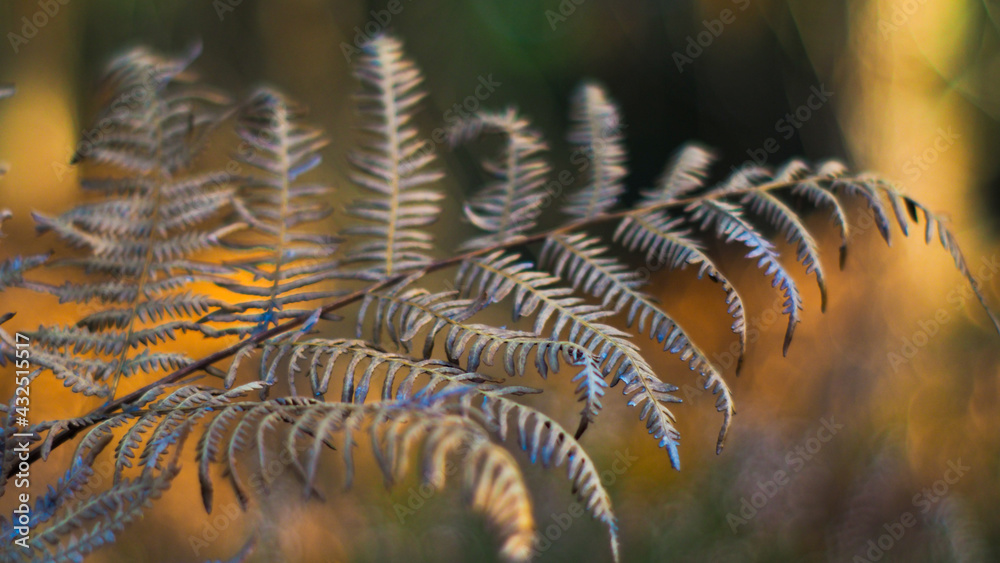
x=685, y=172
x=158, y=119
x=401, y=378
x=814, y=192
x=392, y=166
x=585, y=264
x=597, y=133
x=316, y=359
x=785, y=221
x=666, y=241
x=732, y=226
x=546, y=441
x=491, y=480
x=404, y=313
x=139, y=237
x=497, y=275
x=509, y=206
x=291, y=260
x=861, y=187
x=67, y=528
x=906, y=209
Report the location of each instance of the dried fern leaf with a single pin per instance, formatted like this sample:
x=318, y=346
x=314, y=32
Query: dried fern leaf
x=597, y=132
x=535, y=293
x=818, y=196
x=491, y=480
x=731, y=225
x=392, y=165
x=138, y=239
x=785, y=221
x=685, y=173
x=292, y=261
x=666, y=241
x=406, y=378
x=68, y=527
x=405, y=313
x=585, y=264
x=509, y=206
x=907, y=209
x=545, y=440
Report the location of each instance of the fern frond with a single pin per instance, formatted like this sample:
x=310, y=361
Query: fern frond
x=279, y=148
x=67, y=528
x=859, y=187
x=685, y=172
x=158, y=119
x=907, y=209
x=509, y=206
x=535, y=293
x=392, y=166
x=598, y=134
x=316, y=358
x=404, y=313
x=785, y=221
x=79, y=374
x=581, y=261
x=547, y=441
x=492, y=481
x=140, y=236
x=404, y=378
x=666, y=241
x=819, y=196
x=732, y=226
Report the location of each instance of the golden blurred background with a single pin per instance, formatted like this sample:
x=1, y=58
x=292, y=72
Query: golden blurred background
x=882, y=400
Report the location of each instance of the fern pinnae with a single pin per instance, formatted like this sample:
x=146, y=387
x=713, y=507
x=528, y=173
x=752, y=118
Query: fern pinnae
x=392, y=167
x=140, y=236
x=68, y=486
x=729, y=223
x=280, y=148
x=905, y=209
x=210, y=445
x=665, y=240
x=94, y=521
x=818, y=196
x=320, y=355
x=405, y=314
x=535, y=293
x=785, y=221
x=584, y=263
x=685, y=173
x=98, y=520
x=509, y=206
x=861, y=188
x=492, y=482
x=546, y=440
x=417, y=411
x=936, y=227
x=597, y=133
